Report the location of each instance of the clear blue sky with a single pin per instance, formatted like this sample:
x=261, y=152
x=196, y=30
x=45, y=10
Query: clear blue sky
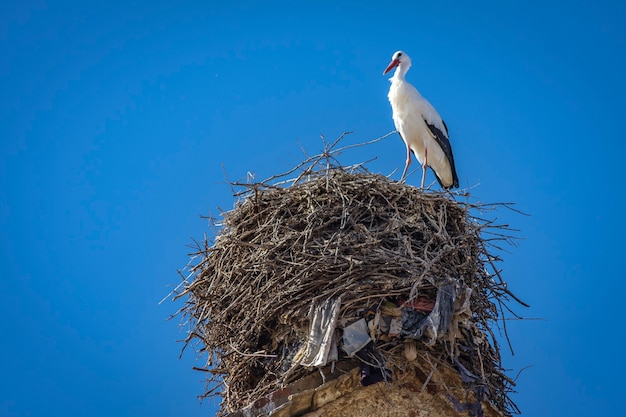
x=115, y=120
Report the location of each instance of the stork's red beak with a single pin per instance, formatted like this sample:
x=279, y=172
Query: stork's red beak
x=391, y=66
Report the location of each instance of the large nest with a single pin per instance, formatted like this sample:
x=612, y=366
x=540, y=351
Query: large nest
x=378, y=246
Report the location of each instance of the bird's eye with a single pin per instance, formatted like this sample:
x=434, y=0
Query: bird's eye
x=399, y=54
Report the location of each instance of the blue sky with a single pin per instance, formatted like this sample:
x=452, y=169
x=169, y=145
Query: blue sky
x=116, y=120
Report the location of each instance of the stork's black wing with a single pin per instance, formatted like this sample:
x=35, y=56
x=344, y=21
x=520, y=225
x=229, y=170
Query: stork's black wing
x=444, y=143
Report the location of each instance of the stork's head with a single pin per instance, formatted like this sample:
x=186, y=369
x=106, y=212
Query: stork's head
x=400, y=60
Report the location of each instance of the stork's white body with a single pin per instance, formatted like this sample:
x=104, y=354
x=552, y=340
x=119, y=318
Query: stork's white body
x=420, y=126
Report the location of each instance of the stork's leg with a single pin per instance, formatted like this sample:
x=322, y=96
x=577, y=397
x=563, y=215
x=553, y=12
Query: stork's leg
x=424, y=166
x=408, y=162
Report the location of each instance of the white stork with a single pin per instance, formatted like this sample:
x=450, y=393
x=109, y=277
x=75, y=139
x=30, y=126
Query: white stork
x=420, y=126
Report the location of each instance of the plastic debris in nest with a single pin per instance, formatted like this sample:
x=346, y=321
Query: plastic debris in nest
x=341, y=263
x=321, y=344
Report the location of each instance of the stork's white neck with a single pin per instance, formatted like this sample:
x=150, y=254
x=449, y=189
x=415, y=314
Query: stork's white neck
x=400, y=72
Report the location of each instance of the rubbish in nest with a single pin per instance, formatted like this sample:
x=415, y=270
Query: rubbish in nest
x=471, y=408
x=412, y=322
x=321, y=345
x=374, y=326
x=410, y=350
x=389, y=308
x=370, y=375
x=355, y=337
x=429, y=327
x=395, y=327
x=423, y=304
x=373, y=369
x=383, y=328
x=387, y=312
x=466, y=376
